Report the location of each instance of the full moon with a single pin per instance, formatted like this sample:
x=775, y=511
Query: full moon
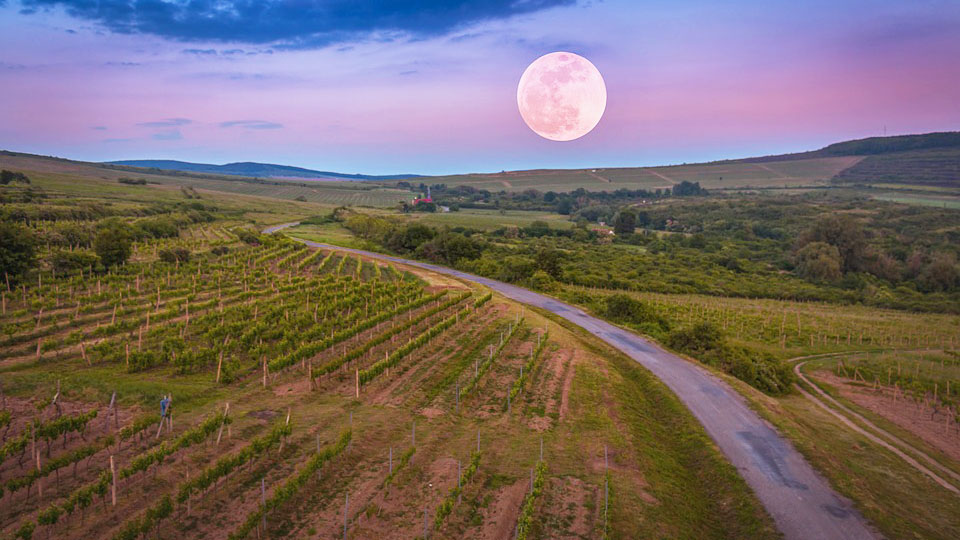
x=561, y=96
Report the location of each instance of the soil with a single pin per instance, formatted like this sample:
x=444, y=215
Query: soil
x=575, y=506
x=544, y=391
x=903, y=412
x=568, y=384
x=500, y=518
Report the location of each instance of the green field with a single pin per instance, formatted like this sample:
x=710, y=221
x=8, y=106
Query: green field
x=491, y=219
x=725, y=175
x=64, y=175
x=944, y=201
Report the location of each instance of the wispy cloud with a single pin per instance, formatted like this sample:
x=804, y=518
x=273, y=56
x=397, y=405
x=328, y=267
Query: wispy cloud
x=171, y=135
x=200, y=52
x=251, y=124
x=168, y=122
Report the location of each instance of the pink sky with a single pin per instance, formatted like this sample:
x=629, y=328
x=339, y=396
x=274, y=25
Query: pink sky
x=686, y=84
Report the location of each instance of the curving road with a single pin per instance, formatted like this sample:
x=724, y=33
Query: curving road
x=802, y=503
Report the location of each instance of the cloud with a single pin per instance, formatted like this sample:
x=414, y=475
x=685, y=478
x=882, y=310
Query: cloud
x=308, y=23
x=251, y=124
x=169, y=122
x=200, y=52
x=171, y=135
x=99, y=128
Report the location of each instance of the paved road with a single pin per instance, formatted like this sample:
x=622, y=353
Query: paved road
x=801, y=502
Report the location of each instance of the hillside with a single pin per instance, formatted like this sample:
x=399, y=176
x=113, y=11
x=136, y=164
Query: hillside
x=252, y=169
x=322, y=383
x=933, y=167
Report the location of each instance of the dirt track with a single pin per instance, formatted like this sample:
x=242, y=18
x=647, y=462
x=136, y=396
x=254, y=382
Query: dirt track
x=802, y=503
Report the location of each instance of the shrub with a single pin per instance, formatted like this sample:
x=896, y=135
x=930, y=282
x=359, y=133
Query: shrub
x=132, y=181
x=65, y=262
x=248, y=237
x=18, y=247
x=9, y=176
x=626, y=309
x=706, y=343
x=173, y=255
x=113, y=243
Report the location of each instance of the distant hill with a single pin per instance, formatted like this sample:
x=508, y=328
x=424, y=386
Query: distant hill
x=886, y=145
x=254, y=170
x=931, y=159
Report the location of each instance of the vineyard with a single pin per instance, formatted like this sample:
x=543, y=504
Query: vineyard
x=917, y=390
x=314, y=394
x=787, y=329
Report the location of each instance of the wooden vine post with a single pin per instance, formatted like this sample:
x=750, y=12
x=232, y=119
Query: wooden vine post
x=113, y=487
x=226, y=411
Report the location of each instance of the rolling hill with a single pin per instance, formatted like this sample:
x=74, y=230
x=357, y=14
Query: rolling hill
x=252, y=169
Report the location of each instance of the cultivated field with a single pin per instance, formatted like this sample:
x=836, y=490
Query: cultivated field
x=315, y=393
x=725, y=175
x=62, y=174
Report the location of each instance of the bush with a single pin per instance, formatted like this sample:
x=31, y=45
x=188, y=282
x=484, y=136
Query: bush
x=9, y=176
x=173, y=255
x=132, y=181
x=626, y=309
x=819, y=261
x=706, y=343
x=161, y=227
x=248, y=237
x=18, y=247
x=65, y=262
x=113, y=243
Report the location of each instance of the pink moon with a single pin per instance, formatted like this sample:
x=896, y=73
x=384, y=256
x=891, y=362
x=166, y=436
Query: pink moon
x=561, y=96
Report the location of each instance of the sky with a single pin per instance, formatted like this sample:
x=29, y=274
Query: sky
x=429, y=87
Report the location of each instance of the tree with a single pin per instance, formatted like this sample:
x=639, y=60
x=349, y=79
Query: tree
x=686, y=188
x=18, y=249
x=516, y=268
x=643, y=219
x=626, y=309
x=65, y=262
x=941, y=274
x=843, y=233
x=537, y=229
x=625, y=222
x=173, y=255
x=114, y=243
x=819, y=261
x=9, y=176
x=548, y=261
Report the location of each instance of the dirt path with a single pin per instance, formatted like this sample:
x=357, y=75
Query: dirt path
x=936, y=428
x=822, y=399
x=598, y=177
x=800, y=500
x=661, y=176
x=778, y=174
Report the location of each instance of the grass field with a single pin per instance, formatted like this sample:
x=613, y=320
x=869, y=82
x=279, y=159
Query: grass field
x=480, y=219
x=63, y=175
x=726, y=175
x=940, y=201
